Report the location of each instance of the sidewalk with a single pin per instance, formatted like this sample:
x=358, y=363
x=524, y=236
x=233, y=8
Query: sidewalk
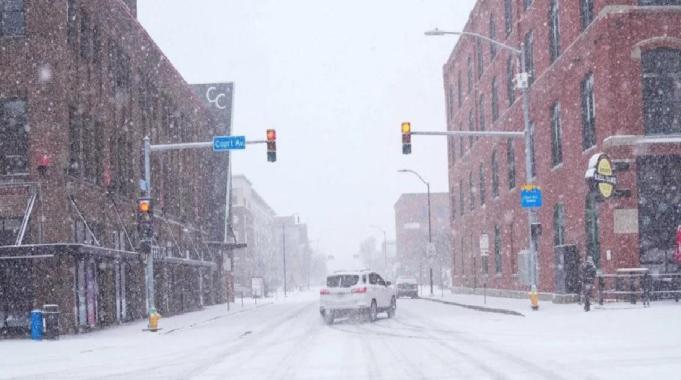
x=522, y=306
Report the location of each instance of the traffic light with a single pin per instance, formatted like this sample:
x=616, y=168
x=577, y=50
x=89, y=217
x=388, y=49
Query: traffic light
x=406, y=137
x=271, y=145
x=145, y=215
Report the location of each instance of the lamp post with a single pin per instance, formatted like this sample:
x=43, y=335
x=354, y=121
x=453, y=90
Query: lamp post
x=385, y=246
x=430, y=234
x=522, y=82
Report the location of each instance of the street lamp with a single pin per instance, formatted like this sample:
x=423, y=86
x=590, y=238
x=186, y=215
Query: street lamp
x=430, y=234
x=522, y=81
x=385, y=246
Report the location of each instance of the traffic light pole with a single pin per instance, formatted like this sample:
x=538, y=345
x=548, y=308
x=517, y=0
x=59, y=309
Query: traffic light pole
x=146, y=247
x=522, y=82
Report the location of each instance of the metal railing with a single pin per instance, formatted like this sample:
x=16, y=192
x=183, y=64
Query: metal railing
x=638, y=284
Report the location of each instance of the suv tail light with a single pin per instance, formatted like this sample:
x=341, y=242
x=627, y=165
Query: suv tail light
x=324, y=292
x=359, y=290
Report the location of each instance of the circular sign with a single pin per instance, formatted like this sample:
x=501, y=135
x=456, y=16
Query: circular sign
x=602, y=175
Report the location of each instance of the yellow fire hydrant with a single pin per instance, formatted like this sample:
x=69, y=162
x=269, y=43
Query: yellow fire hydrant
x=534, y=298
x=154, y=316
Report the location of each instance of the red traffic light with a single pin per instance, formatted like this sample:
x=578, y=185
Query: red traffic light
x=271, y=135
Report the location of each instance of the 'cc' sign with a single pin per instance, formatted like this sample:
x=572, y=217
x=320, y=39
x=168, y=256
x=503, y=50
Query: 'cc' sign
x=215, y=99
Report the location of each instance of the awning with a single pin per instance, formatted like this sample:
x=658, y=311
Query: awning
x=46, y=251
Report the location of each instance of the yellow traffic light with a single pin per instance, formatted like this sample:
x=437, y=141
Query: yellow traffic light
x=406, y=128
x=406, y=137
x=144, y=206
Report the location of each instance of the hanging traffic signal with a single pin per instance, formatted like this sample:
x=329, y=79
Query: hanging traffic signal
x=271, y=145
x=406, y=137
x=145, y=215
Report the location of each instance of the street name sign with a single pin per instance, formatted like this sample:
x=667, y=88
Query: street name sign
x=530, y=196
x=225, y=143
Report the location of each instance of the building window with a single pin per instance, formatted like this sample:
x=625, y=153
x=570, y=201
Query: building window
x=469, y=74
x=12, y=18
x=479, y=57
x=482, y=185
x=13, y=138
x=510, y=85
x=71, y=28
x=9, y=230
x=588, y=113
x=471, y=127
x=556, y=136
x=554, y=30
x=662, y=91
x=492, y=35
x=533, y=157
x=558, y=224
x=529, y=56
x=85, y=37
x=495, y=174
x=510, y=161
x=527, y=3
x=508, y=16
x=481, y=110
x=462, y=202
x=495, y=99
x=586, y=12
x=471, y=189
x=593, y=245
x=497, y=248
x=458, y=85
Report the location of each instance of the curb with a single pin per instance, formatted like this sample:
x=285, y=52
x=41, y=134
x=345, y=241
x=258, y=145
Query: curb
x=476, y=308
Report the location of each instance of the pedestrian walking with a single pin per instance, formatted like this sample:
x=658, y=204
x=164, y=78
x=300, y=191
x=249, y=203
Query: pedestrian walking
x=588, y=272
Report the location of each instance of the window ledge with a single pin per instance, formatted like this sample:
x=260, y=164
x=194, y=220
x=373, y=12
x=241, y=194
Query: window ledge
x=557, y=167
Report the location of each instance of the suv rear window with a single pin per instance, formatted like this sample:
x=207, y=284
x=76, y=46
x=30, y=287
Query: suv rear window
x=342, y=281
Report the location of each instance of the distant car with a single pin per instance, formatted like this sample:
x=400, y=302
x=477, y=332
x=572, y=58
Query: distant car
x=356, y=293
x=407, y=287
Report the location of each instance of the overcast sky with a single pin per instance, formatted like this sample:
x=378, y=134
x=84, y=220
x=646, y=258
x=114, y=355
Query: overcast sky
x=335, y=79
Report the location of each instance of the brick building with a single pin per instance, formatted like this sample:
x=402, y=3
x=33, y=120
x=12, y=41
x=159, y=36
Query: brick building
x=411, y=236
x=81, y=84
x=605, y=78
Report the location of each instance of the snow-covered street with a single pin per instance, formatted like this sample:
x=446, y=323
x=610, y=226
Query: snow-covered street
x=286, y=339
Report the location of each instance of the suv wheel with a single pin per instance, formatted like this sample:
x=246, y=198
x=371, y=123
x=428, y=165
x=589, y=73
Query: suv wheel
x=393, y=308
x=373, y=311
x=328, y=317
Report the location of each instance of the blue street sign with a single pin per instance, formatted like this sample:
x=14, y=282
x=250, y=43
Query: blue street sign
x=530, y=196
x=224, y=143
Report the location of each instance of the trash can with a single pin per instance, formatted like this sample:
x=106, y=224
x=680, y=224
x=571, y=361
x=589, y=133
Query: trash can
x=37, y=324
x=51, y=315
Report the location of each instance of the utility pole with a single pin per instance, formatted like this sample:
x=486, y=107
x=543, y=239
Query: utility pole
x=522, y=82
x=283, y=250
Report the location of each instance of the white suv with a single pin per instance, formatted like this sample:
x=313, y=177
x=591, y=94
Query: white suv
x=356, y=292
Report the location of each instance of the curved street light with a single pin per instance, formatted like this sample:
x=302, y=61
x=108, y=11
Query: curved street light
x=430, y=234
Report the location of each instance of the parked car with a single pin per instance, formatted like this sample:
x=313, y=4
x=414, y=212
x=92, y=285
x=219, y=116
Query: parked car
x=356, y=293
x=407, y=287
